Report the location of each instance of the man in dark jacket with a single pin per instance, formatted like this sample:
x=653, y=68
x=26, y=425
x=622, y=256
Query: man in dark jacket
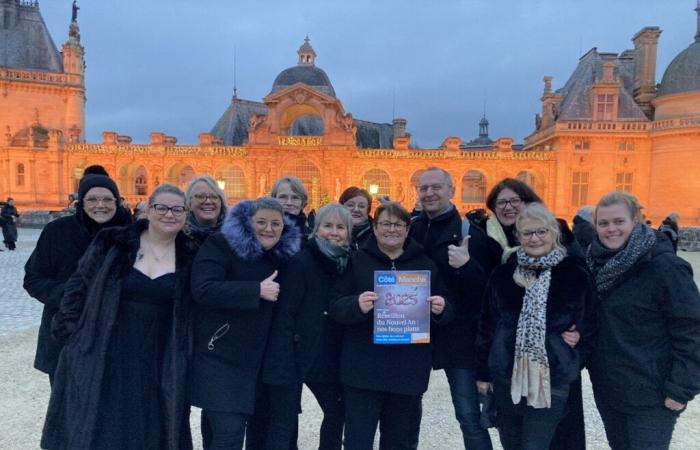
x=9, y=229
x=55, y=258
x=459, y=251
x=584, y=232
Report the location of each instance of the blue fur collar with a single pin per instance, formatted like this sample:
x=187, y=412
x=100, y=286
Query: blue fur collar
x=240, y=236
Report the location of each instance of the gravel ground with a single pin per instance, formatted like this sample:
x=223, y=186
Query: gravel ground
x=24, y=391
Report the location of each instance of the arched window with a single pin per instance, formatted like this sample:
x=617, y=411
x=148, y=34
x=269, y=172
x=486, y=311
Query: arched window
x=415, y=178
x=473, y=187
x=20, y=175
x=141, y=181
x=309, y=175
x=377, y=182
x=527, y=178
x=234, y=182
x=180, y=175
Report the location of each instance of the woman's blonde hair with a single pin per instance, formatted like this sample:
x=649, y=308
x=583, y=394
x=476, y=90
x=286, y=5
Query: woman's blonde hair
x=626, y=199
x=537, y=211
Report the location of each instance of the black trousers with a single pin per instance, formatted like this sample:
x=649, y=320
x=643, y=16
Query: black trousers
x=398, y=417
x=571, y=431
x=227, y=430
x=522, y=427
x=285, y=406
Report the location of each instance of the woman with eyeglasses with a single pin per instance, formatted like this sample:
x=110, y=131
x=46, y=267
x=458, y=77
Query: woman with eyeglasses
x=235, y=287
x=207, y=208
x=291, y=194
x=304, y=344
x=126, y=319
x=529, y=302
x=359, y=203
x=60, y=246
x=645, y=366
x=383, y=384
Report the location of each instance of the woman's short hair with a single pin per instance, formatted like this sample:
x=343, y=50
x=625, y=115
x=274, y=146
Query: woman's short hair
x=626, y=199
x=165, y=188
x=333, y=209
x=213, y=185
x=295, y=185
x=525, y=192
x=354, y=191
x=537, y=211
x=586, y=213
x=265, y=203
x=393, y=209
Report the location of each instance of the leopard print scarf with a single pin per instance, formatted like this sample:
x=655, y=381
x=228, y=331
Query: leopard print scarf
x=530, y=364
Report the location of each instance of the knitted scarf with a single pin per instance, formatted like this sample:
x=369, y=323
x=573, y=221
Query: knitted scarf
x=197, y=230
x=337, y=253
x=531, y=377
x=607, y=265
x=495, y=230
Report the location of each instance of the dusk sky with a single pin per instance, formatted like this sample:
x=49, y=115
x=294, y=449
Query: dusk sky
x=167, y=65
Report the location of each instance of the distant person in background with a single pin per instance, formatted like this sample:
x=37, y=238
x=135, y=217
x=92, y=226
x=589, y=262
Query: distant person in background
x=359, y=203
x=9, y=227
x=140, y=210
x=584, y=231
x=60, y=246
x=669, y=227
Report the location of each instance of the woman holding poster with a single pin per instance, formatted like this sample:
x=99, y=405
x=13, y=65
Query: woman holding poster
x=384, y=382
x=529, y=301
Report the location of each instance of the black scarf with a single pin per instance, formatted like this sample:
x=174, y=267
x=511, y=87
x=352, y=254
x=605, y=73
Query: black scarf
x=607, y=265
x=200, y=232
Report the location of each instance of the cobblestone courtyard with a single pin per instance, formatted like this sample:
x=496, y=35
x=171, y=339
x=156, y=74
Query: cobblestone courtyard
x=24, y=391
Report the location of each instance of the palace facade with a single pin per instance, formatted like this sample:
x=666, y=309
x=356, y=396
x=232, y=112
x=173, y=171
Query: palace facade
x=610, y=126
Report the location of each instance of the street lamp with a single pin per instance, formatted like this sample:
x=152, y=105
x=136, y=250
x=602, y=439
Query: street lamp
x=374, y=188
x=221, y=183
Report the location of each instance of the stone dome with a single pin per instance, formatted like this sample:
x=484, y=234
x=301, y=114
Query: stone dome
x=683, y=74
x=304, y=72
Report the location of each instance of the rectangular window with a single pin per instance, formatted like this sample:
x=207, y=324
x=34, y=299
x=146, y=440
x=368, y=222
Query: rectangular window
x=579, y=189
x=20, y=175
x=606, y=103
x=625, y=146
x=623, y=181
x=582, y=145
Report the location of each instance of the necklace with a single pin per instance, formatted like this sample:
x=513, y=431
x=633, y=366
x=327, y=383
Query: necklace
x=151, y=249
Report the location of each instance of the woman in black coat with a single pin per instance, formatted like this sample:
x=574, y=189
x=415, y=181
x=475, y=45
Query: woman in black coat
x=359, y=203
x=292, y=195
x=383, y=383
x=645, y=367
x=60, y=246
x=233, y=284
x=126, y=318
x=304, y=341
x=8, y=216
x=206, y=203
x=529, y=301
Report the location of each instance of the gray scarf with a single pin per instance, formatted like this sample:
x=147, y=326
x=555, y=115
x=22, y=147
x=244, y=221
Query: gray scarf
x=337, y=253
x=531, y=378
x=607, y=265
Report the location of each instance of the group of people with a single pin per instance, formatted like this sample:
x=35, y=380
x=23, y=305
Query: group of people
x=234, y=310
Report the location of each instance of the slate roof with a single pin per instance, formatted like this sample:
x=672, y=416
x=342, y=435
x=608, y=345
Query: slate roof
x=683, y=74
x=577, y=90
x=232, y=126
x=311, y=76
x=25, y=42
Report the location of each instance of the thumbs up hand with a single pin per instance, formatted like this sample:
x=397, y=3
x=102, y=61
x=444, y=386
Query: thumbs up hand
x=458, y=255
x=269, y=288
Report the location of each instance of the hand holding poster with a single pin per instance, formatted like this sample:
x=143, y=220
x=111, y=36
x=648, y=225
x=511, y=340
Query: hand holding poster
x=402, y=311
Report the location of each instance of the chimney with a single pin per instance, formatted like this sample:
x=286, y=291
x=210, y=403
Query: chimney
x=608, y=69
x=645, y=43
x=399, y=127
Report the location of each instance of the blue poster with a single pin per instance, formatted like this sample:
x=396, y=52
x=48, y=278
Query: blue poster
x=402, y=311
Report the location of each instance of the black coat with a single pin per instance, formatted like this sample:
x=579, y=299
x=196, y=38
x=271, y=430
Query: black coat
x=304, y=341
x=648, y=344
x=454, y=343
x=584, y=232
x=570, y=292
x=398, y=369
x=7, y=220
x=361, y=234
x=232, y=321
x=60, y=246
x=86, y=318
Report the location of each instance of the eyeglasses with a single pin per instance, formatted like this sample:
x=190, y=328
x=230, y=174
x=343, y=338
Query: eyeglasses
x=201, y=198
x=162, y=210
x=262, y=224
x=540, y=233
x=514, y=202
x=389, y=225
x=435, y=187
x=107, y=201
